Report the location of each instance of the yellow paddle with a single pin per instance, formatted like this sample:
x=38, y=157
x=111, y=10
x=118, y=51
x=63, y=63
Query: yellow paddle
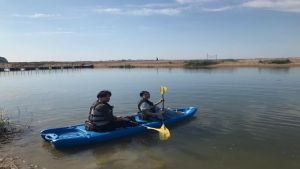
x=164, y=133
x=163, y=90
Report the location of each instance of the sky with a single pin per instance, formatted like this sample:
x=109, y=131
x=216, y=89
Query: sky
x=81, y=30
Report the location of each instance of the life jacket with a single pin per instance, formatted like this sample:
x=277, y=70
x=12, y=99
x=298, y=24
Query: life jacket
x=100, y=113
x=152, y=107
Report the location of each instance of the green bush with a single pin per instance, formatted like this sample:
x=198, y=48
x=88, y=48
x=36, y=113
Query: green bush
x=229, y=60
x=9, y=129
x=275, y=61
x=3, y=60
x=200, y=63
x=281, y=61
x=4, y=123
x=127, y=66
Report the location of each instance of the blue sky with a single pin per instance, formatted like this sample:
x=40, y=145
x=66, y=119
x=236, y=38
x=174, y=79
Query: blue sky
x=71, y=30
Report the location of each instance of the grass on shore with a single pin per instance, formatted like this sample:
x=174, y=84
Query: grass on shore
x=4, y=124
x=200, y=63
x=9, y=129
x=125, y=66
x=275, y=61
x=206, y=63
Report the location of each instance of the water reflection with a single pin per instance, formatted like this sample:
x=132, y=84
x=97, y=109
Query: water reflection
x=38, y=72
x=211, y=70
x=56, y=154
x=280, y=70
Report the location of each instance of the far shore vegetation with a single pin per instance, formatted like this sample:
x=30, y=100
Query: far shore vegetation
x=129, y=63
x=207, y=62
x=200, y=63
x=126, y=66
x=3, y=60
x=275, y=61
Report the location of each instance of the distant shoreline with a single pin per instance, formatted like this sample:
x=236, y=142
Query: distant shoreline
x=259, y=62
x=293, y=62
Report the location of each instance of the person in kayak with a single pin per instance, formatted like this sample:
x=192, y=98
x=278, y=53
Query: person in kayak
x=101, y=116
x=147, y=109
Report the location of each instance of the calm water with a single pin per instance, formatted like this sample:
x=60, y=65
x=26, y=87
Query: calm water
x=247, y=118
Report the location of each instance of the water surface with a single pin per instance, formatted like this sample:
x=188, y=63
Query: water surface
x=247, y=117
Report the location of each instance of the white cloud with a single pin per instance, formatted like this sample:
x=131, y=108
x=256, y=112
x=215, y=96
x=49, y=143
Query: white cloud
x=139, y=12
x=182, y=6
x=155, y=5
x=167, y=9
x=37, y=15
x=277, y=5
x=225, y=8
x=149, y=11
x=114, y=11
x=193, y=1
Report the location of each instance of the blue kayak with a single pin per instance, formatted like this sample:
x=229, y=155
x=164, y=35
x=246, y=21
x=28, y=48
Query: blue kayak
x=73, y=136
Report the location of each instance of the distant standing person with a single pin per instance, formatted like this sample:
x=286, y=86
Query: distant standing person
x=101, y=116
x=147, y=109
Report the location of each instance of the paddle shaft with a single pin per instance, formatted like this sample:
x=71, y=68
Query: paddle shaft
x=138, y=123
x=163, y=103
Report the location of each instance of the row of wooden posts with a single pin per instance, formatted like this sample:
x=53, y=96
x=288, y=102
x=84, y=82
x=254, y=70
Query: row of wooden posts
x=7, y=69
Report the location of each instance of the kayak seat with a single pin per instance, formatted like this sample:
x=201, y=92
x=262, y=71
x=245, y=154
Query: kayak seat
x=139, y=119
x=51, y=136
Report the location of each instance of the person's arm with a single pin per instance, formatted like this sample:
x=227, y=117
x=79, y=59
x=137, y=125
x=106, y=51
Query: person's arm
x=160, y=101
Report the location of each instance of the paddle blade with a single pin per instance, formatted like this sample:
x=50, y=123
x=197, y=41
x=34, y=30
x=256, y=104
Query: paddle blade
x=163, y=90
x=164, y=133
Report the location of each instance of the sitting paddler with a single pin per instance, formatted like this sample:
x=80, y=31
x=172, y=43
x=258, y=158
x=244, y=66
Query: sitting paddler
x=147, y=109
x=151, y=111
x=101, y=116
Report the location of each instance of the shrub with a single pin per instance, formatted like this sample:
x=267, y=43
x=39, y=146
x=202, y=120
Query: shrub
x=8, y=129
x=229, y=60
x=200, y=63
x=127, y=66
x=281, y=61
x=4, y=123
x=3, y=60
x=275, y=61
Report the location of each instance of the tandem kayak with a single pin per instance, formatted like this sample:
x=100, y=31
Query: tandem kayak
x=72, y=136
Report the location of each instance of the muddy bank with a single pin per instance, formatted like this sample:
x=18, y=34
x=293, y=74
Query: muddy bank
x=8, y=161
x=8, y=132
